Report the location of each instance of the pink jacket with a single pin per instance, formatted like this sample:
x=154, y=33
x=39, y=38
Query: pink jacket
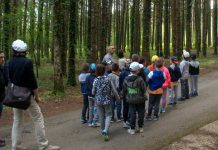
x=167, y=82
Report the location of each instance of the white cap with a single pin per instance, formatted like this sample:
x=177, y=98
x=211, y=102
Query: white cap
x=134, y=66
x=185, y=54
x=141, y=66
x=19, y=46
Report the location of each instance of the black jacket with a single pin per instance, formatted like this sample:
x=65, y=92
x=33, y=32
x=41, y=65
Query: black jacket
x=21, y=72
x=2, y=85
x=175, y=73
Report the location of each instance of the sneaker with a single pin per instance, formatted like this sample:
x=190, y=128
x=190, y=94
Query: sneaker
x=156, y=118
x=148, y=118
x=181, y=99
x=119, y=120
x=20, y=148
x=131, y=131
x=52, y=147
x=125, y=125
x=163, y=110
x=105, y=136
x=141, y=130
x=96, y=124
x=83, y=121
x=174, y=103
x=90, y=124
x=170, y=104
x=2, y=143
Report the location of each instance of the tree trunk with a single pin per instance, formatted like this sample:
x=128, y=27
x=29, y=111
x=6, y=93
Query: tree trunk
x=6, y=29
x=39, y=37
x=47, y=29
x=188, y=25
x=166, y=30
x=58, y=76
x=209, y=25
x=205, y=27
x=25, y=19
x=215, y=40
x=1, y=25
x=14, y=20
x=146, y=29
x=72, y=42
x=198, y=26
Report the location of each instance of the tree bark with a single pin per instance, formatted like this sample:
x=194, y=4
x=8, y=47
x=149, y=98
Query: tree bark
x=198, y=26
x=205, y=27
x=215, y=40
x=58, y=76
x=188, y=25
x=25, y=20
x=166, y=30
x=32, y=29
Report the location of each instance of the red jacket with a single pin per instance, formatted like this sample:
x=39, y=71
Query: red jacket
x=167, y=82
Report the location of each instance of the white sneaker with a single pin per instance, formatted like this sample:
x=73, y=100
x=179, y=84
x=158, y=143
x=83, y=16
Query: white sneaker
x=90, y=125
x=130, y=131
x=125, y=125
x=141, y=130
x=20, y=148
x=51, y=147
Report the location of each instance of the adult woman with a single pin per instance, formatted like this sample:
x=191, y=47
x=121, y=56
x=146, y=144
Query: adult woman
x=20, y=71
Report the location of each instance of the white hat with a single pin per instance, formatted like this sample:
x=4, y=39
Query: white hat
x=134, y=66
x=19, y=46
x=185, y=54
x=141, y=66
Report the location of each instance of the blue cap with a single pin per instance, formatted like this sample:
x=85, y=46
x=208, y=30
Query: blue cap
x=93, y=67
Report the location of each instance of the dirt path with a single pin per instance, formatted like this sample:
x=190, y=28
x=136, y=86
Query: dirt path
x=67, y=131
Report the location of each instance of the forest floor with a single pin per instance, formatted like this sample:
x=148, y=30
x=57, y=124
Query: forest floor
x=63, y=125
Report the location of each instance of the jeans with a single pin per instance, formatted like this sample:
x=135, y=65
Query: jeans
x=104, y=113
x=85, y=108
x=36, y=115
x=116, y=107
x=194, y=84
x=154, y=102
x=173, y=94
x=140, y=109
x=184, y=88
x=92, y=110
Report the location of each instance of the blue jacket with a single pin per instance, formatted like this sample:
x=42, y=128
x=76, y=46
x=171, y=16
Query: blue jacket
x=122, y=76
x=157, y=80
x=89, y=80
x=83, y=84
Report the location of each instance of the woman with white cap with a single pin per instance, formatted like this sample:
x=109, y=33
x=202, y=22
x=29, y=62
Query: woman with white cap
x=20, y=72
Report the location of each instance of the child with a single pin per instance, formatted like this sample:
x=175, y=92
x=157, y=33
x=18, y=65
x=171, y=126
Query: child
x=194, y=73
x=175, y=75
x=152, y=66
x=184, y=69
x=114, y=77
x=143, y=62
x=92, y=107
x=83, y=86
x=103, y=91
x=156, y=78
x=134, y=89
x=165, y=86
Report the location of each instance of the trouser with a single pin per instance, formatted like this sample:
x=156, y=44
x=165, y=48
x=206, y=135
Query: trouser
x=116, y=107
x=194, y=84
x=104, y=113
x=173, y=94
x=184, y=88
x=36, y=115
x=85, y=108
x=125, y=110
x=164, y=98
x=133, y=109
x=154, y=102
x=92, y=110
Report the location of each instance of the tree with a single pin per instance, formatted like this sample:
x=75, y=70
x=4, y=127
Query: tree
x=58, y=75
x=166, y=29
x=47, y=29
x=205, y=27
x=198, y=26
x=25, y=20
x=215, y=40
x=72, y=43
x=188, y=24
x=6, y=28
x=32, y=28
x=146, y=29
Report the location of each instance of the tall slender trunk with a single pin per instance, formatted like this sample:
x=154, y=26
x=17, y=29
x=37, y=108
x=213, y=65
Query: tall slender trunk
x=188, y=25
x=25, y=20
x=166, y=29
x=205, y=27
x=32, y=28
x=198, y=26
x=215, y=40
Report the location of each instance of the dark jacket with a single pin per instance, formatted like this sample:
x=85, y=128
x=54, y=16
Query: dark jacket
x=122, y=76
x=194, y=68
x=21, y=72
x=89, y=80
x=175, y=73
x=2, y=84
x=134, y=89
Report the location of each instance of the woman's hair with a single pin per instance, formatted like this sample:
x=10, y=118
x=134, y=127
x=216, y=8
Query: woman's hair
x=1, y=51
x=141, y=60
x=100, y=70
x=15, y=53
x=120, y=54
x=85, y=67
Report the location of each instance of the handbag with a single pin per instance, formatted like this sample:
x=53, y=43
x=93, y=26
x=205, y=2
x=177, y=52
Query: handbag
x=17, y=97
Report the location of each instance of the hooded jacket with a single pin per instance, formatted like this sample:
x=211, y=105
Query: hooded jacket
x=194, y=68
x=134, y=89
x=167, y=82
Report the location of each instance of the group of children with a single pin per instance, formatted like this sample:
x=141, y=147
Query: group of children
x=119, y=91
